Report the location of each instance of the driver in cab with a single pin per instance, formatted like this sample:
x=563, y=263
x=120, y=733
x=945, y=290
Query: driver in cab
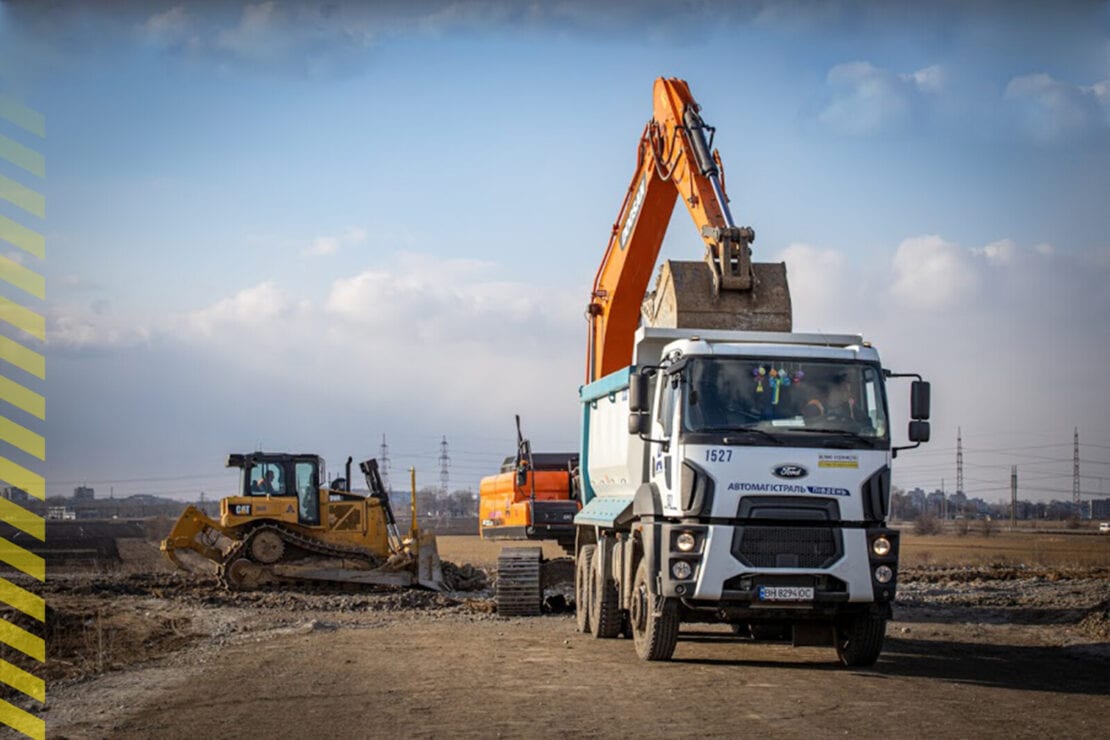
x=836, y=403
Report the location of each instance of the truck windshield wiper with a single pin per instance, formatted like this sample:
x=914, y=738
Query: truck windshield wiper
x=841, y=432
x=743, y=430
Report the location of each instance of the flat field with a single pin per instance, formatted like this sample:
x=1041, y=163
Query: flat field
x=1001, y=636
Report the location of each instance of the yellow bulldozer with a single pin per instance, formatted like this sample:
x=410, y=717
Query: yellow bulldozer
x=286, y=525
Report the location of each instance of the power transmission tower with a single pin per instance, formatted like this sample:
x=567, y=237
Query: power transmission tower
x=959, y=461
x=383, y=464
x=444, y=463
x=1076, y=502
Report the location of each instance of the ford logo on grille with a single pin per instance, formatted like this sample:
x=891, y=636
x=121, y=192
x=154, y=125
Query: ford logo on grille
x=789, y=470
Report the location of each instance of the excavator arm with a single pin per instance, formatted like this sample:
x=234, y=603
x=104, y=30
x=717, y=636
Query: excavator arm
x=674, y=159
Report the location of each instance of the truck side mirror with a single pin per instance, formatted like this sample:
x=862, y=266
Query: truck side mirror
x=637, y=393
x=919, y=403
x=639, y=424
x=919, y=430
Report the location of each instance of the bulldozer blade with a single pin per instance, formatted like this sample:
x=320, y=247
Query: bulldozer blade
x=189, y=526
x=171, y=555
x=684, y=298
x=429, y=568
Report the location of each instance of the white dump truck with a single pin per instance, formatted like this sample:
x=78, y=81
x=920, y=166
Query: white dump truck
x=741, y=477
x=731, y=470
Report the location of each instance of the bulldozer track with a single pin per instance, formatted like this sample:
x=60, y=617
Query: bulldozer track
x=519, y=582
x=303, y=542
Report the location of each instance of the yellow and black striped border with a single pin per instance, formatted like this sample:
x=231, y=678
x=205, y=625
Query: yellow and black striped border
x=29, y=361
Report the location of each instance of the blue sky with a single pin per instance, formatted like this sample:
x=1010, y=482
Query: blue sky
x=270, y=224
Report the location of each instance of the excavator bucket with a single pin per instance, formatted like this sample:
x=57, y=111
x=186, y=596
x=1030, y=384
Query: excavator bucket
x=186, y=534
x=684, y=298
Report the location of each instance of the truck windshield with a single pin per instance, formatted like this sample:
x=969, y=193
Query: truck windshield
x=785, y=396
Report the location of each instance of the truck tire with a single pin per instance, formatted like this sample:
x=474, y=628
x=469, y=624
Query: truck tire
x=604, y=611
x=859, y=640
x=582, y=569
x=655, y=635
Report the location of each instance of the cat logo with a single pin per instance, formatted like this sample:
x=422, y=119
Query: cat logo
x=289, y=509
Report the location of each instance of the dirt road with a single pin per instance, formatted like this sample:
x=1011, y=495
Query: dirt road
x=976, y=650
x=463, y=675
x=973, y=655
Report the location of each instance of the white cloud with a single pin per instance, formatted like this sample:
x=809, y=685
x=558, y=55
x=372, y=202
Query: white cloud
x=257, y=306
x=930, y=273
x=864, y=98
x=1013, y=337
x=816, y=277
x=1053, y=109
x=325, y=245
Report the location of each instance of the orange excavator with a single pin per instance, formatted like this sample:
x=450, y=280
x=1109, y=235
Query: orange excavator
x=725, y=291
x=534, y=497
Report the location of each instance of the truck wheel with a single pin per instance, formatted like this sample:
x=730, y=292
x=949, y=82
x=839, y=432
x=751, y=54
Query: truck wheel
x=859, y=640
x=655, y=635
x=582, y=570
x=605, y=613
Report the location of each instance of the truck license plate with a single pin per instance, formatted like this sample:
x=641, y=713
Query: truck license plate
x=786, y=593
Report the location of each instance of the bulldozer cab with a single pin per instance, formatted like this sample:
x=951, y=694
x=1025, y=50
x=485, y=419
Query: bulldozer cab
x=267, y=474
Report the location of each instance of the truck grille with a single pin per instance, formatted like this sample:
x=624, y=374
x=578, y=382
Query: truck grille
x=780, y=543
x=786, y=547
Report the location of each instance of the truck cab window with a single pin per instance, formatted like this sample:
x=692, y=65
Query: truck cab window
x=667, y=404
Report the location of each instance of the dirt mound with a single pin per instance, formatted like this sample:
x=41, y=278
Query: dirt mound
x=464, y=577
x=1097, y=623
x=88, y=639
x=996, y=572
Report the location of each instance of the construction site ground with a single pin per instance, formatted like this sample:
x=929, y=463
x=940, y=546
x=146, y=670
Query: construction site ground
x=1006, y=635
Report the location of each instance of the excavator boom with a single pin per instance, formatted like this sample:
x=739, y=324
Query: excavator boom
x=675, y=159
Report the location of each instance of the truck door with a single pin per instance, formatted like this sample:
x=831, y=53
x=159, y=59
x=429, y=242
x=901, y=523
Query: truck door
x=663, y=474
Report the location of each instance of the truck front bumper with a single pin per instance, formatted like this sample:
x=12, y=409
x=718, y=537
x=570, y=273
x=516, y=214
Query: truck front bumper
x=743, y=563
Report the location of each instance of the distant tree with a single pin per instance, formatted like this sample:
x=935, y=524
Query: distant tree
x=987, y=527
x=962, y=527
x=927, y=524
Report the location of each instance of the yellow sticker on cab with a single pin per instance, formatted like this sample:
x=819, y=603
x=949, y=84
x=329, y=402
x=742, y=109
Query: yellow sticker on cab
x=838, y=461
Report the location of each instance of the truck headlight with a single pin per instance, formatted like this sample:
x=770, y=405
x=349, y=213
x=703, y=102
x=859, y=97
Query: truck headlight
x=685, y=541
x=883, y=574
x=880, y=546
x=681, y=570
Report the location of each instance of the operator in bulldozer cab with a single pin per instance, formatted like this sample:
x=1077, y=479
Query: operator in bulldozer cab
x=265, y=484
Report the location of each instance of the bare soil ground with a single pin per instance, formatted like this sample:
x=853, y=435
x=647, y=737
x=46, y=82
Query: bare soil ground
x=983, y=643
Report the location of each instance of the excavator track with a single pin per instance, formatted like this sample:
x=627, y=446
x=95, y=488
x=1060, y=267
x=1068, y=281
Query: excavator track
x=236, y=576
x=520, y=582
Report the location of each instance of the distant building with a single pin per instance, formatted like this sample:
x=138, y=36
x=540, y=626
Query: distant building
x=83, y=493
x=1100, y=508
x=60, y=513
x=15, y=495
